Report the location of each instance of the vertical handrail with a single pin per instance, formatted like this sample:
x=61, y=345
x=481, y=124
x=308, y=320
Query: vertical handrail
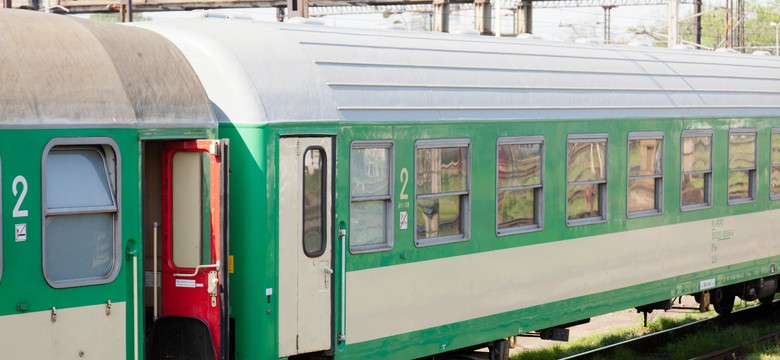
x=135, y=307
x=154, y=269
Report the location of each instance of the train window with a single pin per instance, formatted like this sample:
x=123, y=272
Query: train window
x=441, y=191
x=81, y=213
x=371, y=204
x=586, y=179
x=696, y=182
x=742, y=165
x=645, y=173
x=774, y=184
x=519, y=189
x=314, y=201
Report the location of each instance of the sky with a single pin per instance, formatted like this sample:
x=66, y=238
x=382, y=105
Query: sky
x=559, y=24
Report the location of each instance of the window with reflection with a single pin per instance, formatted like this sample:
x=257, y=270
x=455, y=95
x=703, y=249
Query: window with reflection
x=645, y=173
x=696, y=182
x=80, y=246
x=441, y=191
x=742, y=165
x=371, y=210
x=586, y=179
x=314, y=201
x=519, y=168
x=774, y=183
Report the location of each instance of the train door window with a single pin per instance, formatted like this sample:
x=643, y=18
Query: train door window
x=645, y=173
x=314, y=192
x=81, y=212
x=371, y=205
x=774, y=184
x=586, y=179
x=696, y=182
x=742, y=165
x=519, y=188
x=441, y=191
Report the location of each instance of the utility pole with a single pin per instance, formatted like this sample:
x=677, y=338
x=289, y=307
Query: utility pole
x=697, y=11
x=607, y=22
x=674, y=19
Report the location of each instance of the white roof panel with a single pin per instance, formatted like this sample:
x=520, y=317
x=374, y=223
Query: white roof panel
x=257, y=72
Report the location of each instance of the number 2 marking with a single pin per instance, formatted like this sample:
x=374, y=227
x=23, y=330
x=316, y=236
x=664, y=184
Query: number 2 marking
x=405, y=181
x=19, y=180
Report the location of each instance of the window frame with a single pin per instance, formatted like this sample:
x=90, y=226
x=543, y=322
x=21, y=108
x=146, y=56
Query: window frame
x=115, y=181
x=323, y=202
x=659, y=179
x=603, y=184
x=773, y=163
x=389, y=231
x=538, y=189
x=466, y=213
x=752, y=172
x=708, y=180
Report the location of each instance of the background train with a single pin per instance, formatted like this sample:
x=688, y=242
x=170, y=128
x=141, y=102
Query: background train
x=216, y=188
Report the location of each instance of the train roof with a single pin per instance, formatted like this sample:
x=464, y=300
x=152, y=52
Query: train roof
x=263, y=72
x=59, y=70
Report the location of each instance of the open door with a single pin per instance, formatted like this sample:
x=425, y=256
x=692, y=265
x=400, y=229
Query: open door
x=305, y=245
x=194, y=251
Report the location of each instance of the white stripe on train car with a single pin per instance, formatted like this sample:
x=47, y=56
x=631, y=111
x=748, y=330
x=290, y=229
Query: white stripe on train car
x=393, y=300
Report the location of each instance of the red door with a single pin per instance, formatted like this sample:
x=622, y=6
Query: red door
x=194, y=241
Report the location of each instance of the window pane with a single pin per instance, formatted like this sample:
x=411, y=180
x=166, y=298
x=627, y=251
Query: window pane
x=76, y=178
x=775, y=148
x=583, y=201
x=79, y=246
x=370, y=171
x=742, y=151
x=641, y=194
x=775, y=181
x=516, y=208
x=739, y=184
x=519, y=165
x=586, y=161
x=368, y=221
x=441, y=170
x=693, y=189
x=187, y=205
x=439, y=216
x=313, y=232
x=644, y=157
x=696, y=153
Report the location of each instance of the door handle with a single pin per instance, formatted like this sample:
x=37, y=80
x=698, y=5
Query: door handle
x=327, y=269
x=199, y=268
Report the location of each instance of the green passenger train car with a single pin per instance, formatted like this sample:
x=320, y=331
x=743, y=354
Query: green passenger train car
x=471, y=189
x=388, y=194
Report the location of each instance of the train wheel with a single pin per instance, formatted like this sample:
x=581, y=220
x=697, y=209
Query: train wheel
x=767, y=301
x=725, y=305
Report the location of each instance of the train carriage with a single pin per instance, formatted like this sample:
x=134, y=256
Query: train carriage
x=96, y=122
x=410, y=193
x=390, y=194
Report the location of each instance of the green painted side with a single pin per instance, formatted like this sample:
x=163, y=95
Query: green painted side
x=253, y=237
x=23, y=283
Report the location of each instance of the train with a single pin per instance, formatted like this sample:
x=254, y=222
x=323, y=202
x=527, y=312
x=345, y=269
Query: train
x=224, y=188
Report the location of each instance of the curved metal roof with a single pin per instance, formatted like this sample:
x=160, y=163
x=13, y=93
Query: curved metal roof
x=269, y=72
x=58, y=70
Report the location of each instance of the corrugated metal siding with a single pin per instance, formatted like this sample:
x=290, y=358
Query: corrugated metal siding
x=365, y=75
x=58, y=70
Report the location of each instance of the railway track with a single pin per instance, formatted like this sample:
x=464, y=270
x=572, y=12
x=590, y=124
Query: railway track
x=651, y=343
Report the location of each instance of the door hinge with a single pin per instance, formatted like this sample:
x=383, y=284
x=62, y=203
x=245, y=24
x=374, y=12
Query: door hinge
x=297, y=342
